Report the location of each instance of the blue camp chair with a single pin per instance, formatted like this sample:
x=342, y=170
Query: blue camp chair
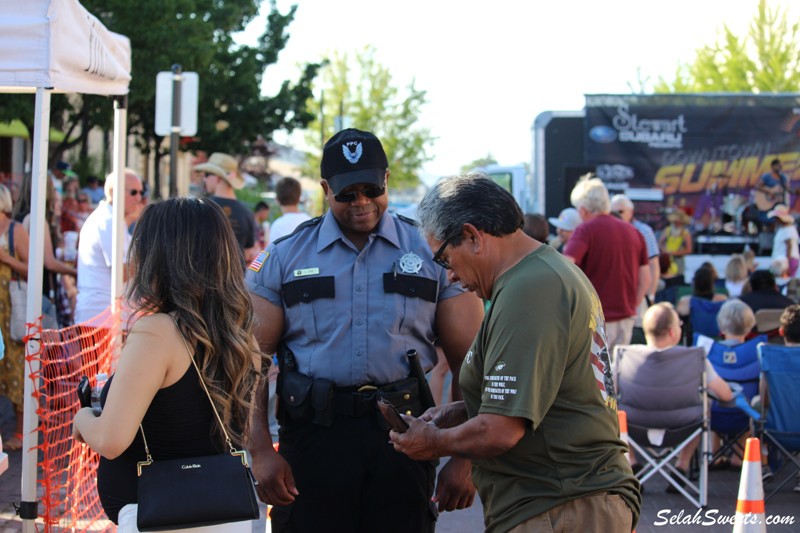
x=779, y=425
x=703, y=316
x=735, y=364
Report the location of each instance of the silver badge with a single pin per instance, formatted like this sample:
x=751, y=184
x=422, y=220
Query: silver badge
x=410, y=263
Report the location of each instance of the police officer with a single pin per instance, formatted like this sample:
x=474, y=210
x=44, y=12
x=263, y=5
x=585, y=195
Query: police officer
x=342, y=300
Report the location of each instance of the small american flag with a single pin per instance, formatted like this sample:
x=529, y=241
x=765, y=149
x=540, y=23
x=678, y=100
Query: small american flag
x=258, y=262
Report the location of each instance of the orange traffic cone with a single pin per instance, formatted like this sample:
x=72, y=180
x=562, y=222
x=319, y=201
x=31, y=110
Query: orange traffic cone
x=750, y=516
x=623, y=431
x=622, y=416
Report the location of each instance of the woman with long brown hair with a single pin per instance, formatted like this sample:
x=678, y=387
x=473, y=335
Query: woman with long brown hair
x=189, y=294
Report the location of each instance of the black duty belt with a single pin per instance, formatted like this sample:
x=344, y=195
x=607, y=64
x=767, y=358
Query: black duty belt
x=355, y=401
x=360, y=401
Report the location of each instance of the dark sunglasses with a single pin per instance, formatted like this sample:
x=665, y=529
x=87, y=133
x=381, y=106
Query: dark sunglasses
x=369, y=192
x=135, y=192
x=437, y=257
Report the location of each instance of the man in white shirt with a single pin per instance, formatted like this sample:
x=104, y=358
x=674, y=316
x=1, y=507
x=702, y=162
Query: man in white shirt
x=94, y=247
x=287, y=192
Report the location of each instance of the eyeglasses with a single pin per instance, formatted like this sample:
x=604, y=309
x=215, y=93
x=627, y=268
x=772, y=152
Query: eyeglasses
x=83, y=200
x=135, y=192
x=437, y=257
x=369, y=192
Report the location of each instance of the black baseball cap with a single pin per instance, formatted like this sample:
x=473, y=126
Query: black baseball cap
x=353, y=156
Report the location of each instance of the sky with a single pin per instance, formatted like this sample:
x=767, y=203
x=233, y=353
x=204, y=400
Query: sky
x=489, y=68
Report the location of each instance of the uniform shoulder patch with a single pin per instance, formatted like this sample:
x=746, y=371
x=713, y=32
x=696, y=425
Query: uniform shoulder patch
x=308, y=223
x=258, y=262
x=408, y=220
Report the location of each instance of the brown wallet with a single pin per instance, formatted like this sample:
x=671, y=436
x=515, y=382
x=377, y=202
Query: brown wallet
x=391, y=416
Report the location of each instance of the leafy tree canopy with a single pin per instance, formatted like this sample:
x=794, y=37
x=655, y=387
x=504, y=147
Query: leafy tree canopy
x=488, y=159
x=766, y=60
x=358, y=92
x=197, y=34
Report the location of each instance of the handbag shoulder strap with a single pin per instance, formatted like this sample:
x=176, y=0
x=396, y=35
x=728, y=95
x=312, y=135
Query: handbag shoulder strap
x=11, y=239
x=233, y=450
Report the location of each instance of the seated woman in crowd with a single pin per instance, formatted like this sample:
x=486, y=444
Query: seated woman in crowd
x=735, y=321
x=736, y=275
x=703, y=287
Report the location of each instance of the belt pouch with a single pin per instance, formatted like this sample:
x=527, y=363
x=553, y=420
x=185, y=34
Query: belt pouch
x=322, y=402
x=296, y=396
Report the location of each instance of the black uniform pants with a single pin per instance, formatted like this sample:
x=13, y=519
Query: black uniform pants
x=351, y=480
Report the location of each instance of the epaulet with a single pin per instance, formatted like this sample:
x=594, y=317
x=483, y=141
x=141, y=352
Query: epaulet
x=407, y=220
x=308, y=223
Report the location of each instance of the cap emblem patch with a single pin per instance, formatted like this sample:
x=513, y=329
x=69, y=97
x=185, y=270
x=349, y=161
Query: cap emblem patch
x=352, y=155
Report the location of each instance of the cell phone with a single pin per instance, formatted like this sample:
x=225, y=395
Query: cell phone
x=391, y=416
x=85, y=392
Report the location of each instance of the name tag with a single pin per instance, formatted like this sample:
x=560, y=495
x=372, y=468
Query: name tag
x=305, y=272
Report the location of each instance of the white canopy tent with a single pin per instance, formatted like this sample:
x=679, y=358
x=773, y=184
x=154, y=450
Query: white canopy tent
x=57, y=46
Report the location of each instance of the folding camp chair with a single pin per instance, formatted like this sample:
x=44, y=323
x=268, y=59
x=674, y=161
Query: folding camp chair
x=767, y=323
x=779, y=425
x=703, y=316
x=734, y=364
x=664, y=395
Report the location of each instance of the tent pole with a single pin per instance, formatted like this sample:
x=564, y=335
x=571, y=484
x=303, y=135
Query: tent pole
x=118, y=227
x=30, y=438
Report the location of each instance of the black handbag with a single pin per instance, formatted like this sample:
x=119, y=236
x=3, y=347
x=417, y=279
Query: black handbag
x=195, y=491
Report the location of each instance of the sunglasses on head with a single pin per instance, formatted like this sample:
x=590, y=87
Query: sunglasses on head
x=369, y=192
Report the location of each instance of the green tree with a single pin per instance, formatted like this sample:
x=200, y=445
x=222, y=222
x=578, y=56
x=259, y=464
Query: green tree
x=766, y=60
x=198, y=35
x=359, y=92
x=480, y=162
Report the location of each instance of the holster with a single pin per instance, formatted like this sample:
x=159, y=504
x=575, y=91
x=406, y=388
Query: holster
x=302, y=398
x=404, y=395
x=296, y=396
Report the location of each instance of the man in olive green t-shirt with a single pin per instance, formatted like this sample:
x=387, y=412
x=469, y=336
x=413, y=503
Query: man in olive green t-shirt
x=539, y=413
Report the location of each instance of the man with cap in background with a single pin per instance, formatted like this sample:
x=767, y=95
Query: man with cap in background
x=342, y=300
x=222, y=176
x=565, y=224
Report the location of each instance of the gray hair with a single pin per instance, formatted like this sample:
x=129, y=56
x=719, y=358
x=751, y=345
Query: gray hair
x=591, y=194
x=111, y=180
x=469, y=198
x=735, y=318
x=620, y=201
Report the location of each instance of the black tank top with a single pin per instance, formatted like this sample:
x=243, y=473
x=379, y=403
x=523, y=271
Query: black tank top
x=178, y=423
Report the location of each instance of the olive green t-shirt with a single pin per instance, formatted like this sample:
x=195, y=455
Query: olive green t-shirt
x=541, y=355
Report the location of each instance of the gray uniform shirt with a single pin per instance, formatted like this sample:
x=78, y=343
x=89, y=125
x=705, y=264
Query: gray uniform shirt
x=351, y=315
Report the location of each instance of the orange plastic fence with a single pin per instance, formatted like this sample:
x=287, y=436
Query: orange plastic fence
x=67, y=480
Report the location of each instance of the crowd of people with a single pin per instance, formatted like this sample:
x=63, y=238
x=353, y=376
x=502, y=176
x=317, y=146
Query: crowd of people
x=294, y=327
x=77, y=254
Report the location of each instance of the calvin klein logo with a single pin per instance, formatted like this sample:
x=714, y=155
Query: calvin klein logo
x=188, y=467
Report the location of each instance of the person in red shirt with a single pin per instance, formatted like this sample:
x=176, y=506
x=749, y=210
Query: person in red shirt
x=612, y=254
